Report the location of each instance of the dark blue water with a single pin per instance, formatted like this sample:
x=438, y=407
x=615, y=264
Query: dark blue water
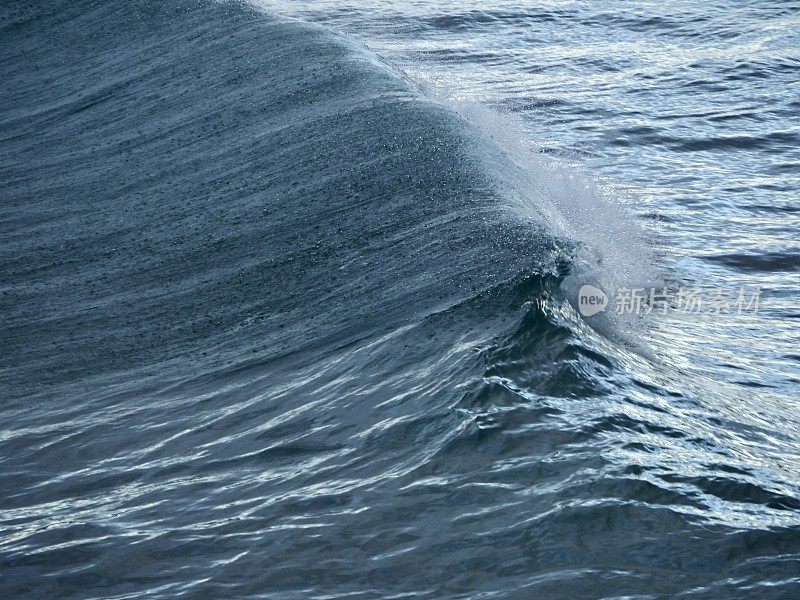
x=287, y=311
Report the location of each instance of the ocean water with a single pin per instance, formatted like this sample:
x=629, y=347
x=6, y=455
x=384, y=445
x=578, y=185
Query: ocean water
x=290, y=299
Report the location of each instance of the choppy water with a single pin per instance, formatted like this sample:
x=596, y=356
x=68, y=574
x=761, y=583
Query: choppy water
x=288, y=299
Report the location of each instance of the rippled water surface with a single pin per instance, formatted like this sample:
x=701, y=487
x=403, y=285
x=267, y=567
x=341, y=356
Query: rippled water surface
x=288, y=299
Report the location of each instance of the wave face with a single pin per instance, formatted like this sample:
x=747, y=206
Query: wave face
x=271, y=329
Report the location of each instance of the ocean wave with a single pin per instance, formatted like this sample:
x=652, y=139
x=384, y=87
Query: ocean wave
x=278, y=320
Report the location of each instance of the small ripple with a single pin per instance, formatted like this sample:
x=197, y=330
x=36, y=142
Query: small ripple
x=772, y=143
x=768, y=262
